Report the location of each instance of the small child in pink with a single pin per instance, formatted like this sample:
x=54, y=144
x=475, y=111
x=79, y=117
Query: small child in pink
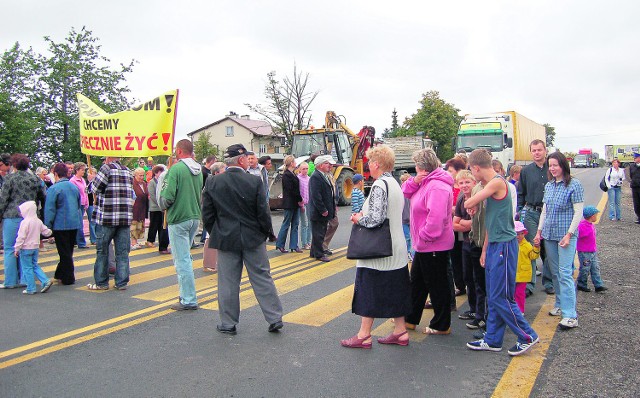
x=26, y=248
x=588, y=252
x=526, y=254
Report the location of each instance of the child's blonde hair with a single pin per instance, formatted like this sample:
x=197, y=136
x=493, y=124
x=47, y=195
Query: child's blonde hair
x=464, y=175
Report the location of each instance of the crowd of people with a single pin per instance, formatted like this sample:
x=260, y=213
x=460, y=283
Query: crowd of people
x=466, y=227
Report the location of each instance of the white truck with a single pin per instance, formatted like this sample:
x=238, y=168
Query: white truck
x=506, y=134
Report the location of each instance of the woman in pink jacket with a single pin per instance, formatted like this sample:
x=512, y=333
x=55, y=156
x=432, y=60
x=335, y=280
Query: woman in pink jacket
x=431, y=196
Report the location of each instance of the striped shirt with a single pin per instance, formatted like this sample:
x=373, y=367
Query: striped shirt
x=113, y=189
x=357, y=200
x=559, y=200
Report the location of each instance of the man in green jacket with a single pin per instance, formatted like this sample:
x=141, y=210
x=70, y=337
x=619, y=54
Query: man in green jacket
x=180, y=195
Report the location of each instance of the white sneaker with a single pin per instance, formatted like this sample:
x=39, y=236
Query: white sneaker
x=555, y=312
x=568, y=323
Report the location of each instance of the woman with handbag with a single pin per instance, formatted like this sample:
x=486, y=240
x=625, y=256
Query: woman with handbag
x=613, y=179
x=382, y=286
x=431, y=196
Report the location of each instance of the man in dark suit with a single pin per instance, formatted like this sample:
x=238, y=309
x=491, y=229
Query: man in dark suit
x=322, y=205
x=236, y=212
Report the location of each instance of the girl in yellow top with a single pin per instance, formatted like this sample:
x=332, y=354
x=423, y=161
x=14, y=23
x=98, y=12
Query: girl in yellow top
x=526, y=254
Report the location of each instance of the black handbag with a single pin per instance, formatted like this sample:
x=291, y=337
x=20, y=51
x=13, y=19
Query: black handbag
x=368, y=243
x=603, y=184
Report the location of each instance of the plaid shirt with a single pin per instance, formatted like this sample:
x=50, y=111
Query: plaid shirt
x=559, y=200
x=113, y=189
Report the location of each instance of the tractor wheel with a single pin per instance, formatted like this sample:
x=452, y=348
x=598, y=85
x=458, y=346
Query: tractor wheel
x=344, y=187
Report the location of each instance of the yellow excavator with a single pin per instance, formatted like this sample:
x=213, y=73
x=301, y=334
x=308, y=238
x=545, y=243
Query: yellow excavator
x=346, y=147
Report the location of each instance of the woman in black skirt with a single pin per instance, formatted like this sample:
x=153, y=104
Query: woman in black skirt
x=382, y=286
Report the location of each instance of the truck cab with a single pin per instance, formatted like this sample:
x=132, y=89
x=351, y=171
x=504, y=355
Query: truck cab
x=493, y=132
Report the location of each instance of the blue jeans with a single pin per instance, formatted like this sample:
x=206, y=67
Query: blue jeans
x=291, y=218
x=92, y=225
x=407, y=237
x=305, y=227
x=561, y=266
x=614, y=193
x=589, y=265
x=501, y=263
x=122, y=245
x=181, y=236
x=80, y=240
x=11, y=264
x=31, y=269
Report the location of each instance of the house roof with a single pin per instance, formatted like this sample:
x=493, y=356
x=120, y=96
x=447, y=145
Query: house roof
x=257, y=127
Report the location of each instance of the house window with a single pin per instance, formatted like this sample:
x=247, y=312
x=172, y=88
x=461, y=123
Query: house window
x=229, y=131
x=263, y=148
x=276, y=149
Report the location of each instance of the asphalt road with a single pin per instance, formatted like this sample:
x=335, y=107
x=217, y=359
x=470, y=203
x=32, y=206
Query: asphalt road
x=73, y=342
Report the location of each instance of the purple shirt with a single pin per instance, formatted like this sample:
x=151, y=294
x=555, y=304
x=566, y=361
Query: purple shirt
x=586, y=237
x=304, y=187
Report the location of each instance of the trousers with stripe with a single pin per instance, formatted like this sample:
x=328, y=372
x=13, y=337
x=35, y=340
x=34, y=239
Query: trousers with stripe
x=500, y=264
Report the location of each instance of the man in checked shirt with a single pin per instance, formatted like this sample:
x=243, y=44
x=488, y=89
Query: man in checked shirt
x=113, y=213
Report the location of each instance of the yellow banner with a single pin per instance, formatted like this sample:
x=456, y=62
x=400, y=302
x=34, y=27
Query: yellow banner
x=143, y=130
x=481, y=126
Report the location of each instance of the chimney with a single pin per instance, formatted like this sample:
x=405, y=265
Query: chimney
x=244, y=117
x=232, y=114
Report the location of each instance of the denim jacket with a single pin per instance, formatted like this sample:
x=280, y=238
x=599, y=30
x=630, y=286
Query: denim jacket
x=63, y=211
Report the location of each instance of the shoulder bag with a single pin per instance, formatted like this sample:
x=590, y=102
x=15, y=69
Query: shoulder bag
x=603, y=183
x=369, y=243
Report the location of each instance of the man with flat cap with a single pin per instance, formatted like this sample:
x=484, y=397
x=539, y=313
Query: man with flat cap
x=235, y=211
x=322, y=205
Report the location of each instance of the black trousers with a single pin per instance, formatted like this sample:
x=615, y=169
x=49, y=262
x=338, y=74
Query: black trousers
x=318, y=232
x=635, y=194
x=456, y=263
x=156, y=219
x=64, y=243
x=429, y=277
x=472, y=253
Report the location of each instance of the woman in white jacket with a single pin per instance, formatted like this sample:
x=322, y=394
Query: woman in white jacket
x=613, y=178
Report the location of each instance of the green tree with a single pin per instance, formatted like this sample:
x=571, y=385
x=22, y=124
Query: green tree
x=203, y=147
x=46, y=86
x=438, y=119
x=551, y=134
x=17, y=121
x=391, y=132
x=288, y=103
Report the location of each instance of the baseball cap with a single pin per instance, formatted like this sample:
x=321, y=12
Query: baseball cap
x=588, y=211
x=520, y=227
x=357, y=178
x=235, y=150
x=636, y=154
x=149, y=158
x=323, y=159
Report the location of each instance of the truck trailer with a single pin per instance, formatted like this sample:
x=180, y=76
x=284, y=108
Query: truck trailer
x=506, y=134
x=624, y=153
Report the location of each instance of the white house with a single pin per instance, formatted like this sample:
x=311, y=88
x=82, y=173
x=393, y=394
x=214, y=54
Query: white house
x=256, y=135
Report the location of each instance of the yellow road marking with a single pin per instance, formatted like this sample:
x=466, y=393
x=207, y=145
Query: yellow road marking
x=521, y=374
x=209, y=283
x=601, y=205
x=287, y=284
x=293, y=282
x=324, y=310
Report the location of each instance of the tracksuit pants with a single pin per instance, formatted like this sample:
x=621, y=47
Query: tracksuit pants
x=500, y=264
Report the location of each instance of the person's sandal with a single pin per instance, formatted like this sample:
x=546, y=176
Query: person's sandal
x=355, y=342
x=394, y=339
x=93, y=286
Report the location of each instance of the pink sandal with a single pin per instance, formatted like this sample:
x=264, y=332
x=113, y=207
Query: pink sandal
x=355, y=342
x=394, y=339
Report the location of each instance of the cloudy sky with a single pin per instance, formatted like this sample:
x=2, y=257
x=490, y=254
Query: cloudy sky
x=573, y=64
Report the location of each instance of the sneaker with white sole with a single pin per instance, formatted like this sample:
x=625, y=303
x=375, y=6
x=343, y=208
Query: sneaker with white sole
x=568, y=323
x=481, y=345
x=521, y=348
x=476, y=324
x=555, y=312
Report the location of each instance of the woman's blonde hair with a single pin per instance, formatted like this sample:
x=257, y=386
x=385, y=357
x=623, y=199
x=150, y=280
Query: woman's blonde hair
x=383, y=155
x=288, y=160
x=426, y=159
